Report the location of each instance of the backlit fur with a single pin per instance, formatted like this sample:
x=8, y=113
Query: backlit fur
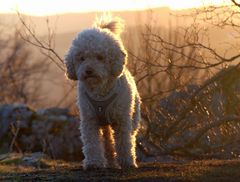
x=97, y=60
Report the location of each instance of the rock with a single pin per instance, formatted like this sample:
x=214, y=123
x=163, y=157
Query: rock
x=14, y=114
x=53, y=111
x=52, y=131
x=36, y=160
x=218, y=100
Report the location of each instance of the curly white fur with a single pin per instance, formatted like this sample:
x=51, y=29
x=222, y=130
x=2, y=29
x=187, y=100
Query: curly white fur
x=97, y=59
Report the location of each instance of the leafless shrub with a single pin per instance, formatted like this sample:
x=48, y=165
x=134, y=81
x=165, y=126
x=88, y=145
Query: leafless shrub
x=193, y=108
x=46, y=46
x=184, y=80
x=19, y=75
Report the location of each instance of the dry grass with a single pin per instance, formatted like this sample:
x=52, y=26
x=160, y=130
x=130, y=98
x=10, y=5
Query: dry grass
x=205, y=170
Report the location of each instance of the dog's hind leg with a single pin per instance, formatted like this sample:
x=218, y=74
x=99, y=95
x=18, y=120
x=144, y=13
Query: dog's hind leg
x=136, y=116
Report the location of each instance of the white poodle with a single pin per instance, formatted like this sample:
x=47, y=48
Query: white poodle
x=108, y=99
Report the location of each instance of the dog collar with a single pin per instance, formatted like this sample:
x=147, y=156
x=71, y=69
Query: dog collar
x=101, y=107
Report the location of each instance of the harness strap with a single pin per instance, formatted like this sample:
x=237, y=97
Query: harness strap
x=100, y=108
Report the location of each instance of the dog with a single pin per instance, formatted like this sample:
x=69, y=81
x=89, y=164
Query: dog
x=108, y=98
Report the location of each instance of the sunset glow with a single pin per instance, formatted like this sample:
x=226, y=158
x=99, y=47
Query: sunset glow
x=50, y=7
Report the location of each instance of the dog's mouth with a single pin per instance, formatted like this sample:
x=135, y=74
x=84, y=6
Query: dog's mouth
x=87, y=77
x=91, y=79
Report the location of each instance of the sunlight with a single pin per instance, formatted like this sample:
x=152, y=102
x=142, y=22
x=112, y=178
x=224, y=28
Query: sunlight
x=46, y=7
x=173, y=4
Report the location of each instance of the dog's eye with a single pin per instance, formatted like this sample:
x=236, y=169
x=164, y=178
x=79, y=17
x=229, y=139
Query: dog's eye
x=100, y=57
x=80, y=58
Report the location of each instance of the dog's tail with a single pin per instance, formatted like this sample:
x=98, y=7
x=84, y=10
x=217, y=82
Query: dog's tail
x=106, y=21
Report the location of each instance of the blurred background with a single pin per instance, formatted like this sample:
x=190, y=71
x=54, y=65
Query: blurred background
x=184, y=57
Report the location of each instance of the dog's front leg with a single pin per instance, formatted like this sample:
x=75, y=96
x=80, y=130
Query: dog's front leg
x=92, y=145
x=125, y=145
x=109, y=146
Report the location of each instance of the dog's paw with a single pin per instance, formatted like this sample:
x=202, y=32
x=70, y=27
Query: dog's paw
x=129, y=166
x=91, y=167
x=113, y=165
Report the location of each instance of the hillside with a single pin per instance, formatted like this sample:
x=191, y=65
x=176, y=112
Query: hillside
x=73, y=22
x=66, y=26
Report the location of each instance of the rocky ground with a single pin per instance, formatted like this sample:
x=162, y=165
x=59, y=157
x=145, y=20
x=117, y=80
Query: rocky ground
x=38, y=168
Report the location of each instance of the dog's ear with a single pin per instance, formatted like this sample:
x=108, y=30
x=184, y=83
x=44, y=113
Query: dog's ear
x=119, y=64
x=71, y=73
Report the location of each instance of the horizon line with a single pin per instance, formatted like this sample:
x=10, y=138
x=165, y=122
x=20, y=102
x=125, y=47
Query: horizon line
x=95, y=11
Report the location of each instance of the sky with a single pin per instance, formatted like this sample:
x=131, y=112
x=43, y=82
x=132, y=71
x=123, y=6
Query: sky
x=52, y=7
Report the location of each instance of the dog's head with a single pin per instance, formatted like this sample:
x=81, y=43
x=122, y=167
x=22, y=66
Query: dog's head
x=97, y=54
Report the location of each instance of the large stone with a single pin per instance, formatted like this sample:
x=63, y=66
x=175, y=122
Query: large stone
x=52, y=131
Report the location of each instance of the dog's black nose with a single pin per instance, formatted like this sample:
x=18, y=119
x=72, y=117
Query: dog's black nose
x=89, y=71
